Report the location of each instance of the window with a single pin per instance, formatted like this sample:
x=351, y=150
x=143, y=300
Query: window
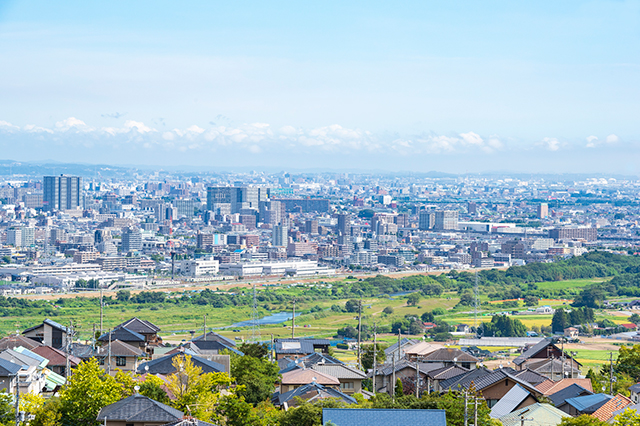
x=121, y=361
x=346, y=385
x=101, y=361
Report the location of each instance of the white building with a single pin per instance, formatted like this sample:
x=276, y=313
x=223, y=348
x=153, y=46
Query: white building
x=199, y=267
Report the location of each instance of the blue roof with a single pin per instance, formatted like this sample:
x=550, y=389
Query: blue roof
x=387, y=417
x=509, y=402
x=588, y=403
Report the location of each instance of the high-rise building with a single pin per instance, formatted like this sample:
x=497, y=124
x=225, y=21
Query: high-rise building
x=131, y=239
x=446, y=219
x=426, y=220
x=28, y=237
x=543, y=210
x=472, y=208
x=61, y=192
x=244, y=198
x=311, y=226
x=280, y=236
x=14, y=237
x=344, y=224
x=218, y=195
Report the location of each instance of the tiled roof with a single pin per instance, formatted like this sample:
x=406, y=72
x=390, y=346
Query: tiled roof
x=8, y=368
x=532, y=351
x=422, y=348
x=216, y=337
x=56, y=356
x=165, y=366
x=633, y=388
x=140, y=326
x=303, y=377
x=462, y=381
x=530, y=376
x=445, y=373
x=448, y=355
x=509, y=401
x=618, y=402
x=550, y=387
x=381, y=416
x=12, y=342
x=214, y=345
x=123, y=334
x=138, y=408
x=544, y=414
x=340, y=371
x=48, y=322
x=309, y=392
x=119, y=348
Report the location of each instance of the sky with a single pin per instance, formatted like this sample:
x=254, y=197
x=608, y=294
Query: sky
x=458, y=86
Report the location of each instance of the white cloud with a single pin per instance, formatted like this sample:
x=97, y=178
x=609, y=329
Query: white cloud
x=72, y=123
x=612, y=139
x=592, y=141
x=137, y=126
x=552, y=144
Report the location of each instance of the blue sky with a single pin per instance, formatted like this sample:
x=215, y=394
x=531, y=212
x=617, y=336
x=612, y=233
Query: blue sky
x=455, y=86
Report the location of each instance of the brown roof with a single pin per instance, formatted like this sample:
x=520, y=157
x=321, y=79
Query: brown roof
x=119, y=348
x=616, y=403
x=304, y=377
x=11, y=342
x=56, y=356
x=550, y=387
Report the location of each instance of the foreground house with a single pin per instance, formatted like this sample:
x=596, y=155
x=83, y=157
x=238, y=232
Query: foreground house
x=119, y=356
x=138, y=410
x=310, y=392
x=165, y=366
x=544, y=414
x=49, y=333
x=57, y=359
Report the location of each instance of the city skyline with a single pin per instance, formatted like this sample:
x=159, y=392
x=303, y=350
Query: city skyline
x=418, y=87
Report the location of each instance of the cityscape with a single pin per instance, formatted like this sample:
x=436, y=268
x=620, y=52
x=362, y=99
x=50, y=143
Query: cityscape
x=319, y=214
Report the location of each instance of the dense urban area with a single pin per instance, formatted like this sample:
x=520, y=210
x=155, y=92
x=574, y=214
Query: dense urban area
x=134, y=297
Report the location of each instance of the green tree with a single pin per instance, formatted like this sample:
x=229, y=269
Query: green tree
x=627, y=418
x=257, y=376
x=123, y=295
x=237, y=412
x=152, y=388
x=503, y=326
x=388, y=310
x=560, y=321
x=583, y=420
x=367, y=355
x=413, y=299
x=399, y=388
x=634, y=318
x=88, y=390
x=7, y=410
x=628, y=361
x=352, y=305
x=308, y=413
x=530, y=301
x=255, y=350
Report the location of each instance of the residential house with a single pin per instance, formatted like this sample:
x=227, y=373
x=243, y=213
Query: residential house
x=311, y=392
x=119, y=356
x=8, y=376
x=16, y=340
x=392, y=351
x=300, y=377
x=125, y=335
x=298, y=348
x=615, y=404
x=403, y=369
x=518, y=397
x=572, y=391
x=419, y=350
x=383, y=416
x=213, y=355
x=138, y=410
x=57, y=359
x=635, y=393
x=164, y=365
x=211, y=336
x=30, y=377
x=439, y=375
x=350, y=378
x=539, y=356
x=587, y=404
x=145, y=328
x=550, y=387
x=544, y=414
x=571, y=332
x=49, y=333
x=451, y=356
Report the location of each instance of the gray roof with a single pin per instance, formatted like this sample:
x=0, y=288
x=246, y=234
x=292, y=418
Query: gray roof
x=138, y=408
x=8, y=368
x=339, y=371
x=48, y=322
x=448, y=355
x=532, y=351
x=216, y=337
x=445, y=373
x=189, y=422
x=119, y=348
x=140, y=326
x=571, y=391
x=165, y=366
x=531, y=376
x=316, y=390
x=388, y=351
x=635, y=388
x=123, y=334
x=299, y=346
x=509, y=401
x=387, y=417
x=307, y=361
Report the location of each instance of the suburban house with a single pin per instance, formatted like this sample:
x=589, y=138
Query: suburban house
x=571, y=332
x=301, y=377
x=544, y=414
x=125, y=335
x=298, y=348
x=165, y=366
x=8, y=378
x=17, y=340
x=539, y=358
x=311, y=392
x=145, y=328
x=57, y=359
x=635, y=393
x=30, y=377
x=550, y=387
x=608, y=410
x=138, y=410
x=421, y=349
x=350, y=378
x=403, y=369
x=587, y=404
x=49, y=333
x=119, y=356
x=451, y=356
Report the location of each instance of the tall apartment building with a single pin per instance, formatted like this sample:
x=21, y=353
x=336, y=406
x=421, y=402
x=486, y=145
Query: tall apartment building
x=344, y=224
x=543, y=210
x=280, y=236
x=131, y=239
x=61, y=192
x=28, y=237
x=446, y=219
x=579, y=233
x=14, y=237
x=218, y=195
x=311, y=226
x=426, y=220
x=472, y=208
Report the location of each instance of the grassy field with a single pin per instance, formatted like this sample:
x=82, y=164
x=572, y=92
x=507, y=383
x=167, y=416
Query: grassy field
x=568, y=284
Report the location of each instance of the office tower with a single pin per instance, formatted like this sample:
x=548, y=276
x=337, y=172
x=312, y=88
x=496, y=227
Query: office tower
x=446, y=219
x=543, y=210
x=272, y=212
x=14, y=237
x=244, y=198
x=101, y=235
x=472, y=208
x=131, y=240
x=61, y=192
x=218, y=195
x=311, y=226
x=344, y=224
x=28, y=237
x=402, y=220
x=426, y=220
x=280, y=236
x=186, y=208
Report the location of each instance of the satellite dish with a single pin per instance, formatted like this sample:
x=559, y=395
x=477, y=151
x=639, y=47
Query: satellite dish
x=136, y=388
x=500, y=366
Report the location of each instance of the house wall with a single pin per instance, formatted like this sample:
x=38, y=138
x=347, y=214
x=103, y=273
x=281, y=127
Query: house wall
x=351, y=386
x=496, y=391
x=131, y=364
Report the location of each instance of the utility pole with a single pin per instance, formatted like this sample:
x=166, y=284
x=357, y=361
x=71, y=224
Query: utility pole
x=611, y=373
x=417, y=380
x=271, y=357
x=360, y=333
x=562, y=358
x=109, y=355
x=475, y=303
x=475, y=411
x=17, y=399
x=375, y=356
x=466, y=414
x=522, y=420
x=293, y=320
x=67, y=371
x=393, y=378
